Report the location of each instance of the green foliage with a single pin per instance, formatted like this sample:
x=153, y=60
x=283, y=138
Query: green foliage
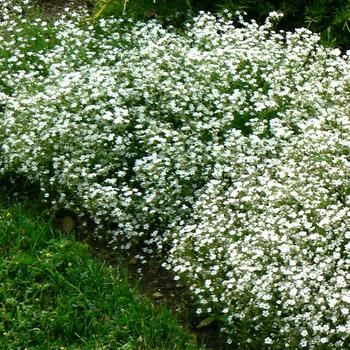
x=145, y=9
x=54, y=295
x=328, y=17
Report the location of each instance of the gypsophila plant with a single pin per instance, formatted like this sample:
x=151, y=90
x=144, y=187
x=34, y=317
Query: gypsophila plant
x=223, y=148
x=11, y=9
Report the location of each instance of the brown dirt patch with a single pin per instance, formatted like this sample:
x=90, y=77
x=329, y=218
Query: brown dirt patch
x=54, y=8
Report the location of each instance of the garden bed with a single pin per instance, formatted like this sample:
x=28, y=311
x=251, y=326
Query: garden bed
x=221, y=150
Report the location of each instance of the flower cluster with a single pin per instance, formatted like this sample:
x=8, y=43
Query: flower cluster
x=224, y=147
x=11, y=9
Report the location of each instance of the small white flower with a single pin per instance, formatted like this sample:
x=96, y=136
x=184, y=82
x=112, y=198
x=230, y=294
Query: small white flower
x=268, y=341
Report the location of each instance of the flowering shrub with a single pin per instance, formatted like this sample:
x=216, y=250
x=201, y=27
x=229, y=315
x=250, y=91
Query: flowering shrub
x=224, y=148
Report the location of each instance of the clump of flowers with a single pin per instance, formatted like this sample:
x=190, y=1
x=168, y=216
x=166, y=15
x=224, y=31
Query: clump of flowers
x=224, y=148
x=11, y=9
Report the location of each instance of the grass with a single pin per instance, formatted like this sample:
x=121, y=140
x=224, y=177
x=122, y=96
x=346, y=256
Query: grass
x=55, y=295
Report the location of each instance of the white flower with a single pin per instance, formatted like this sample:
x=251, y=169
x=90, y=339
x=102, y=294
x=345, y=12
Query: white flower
x=268, y=341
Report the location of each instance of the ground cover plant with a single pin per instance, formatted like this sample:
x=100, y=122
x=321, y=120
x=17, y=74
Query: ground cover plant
x=221, y=149
x=55, y=295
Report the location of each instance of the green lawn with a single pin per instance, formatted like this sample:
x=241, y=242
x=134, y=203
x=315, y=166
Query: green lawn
x=55, y=295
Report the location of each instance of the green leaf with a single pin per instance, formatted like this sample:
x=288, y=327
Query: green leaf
x=207, y=321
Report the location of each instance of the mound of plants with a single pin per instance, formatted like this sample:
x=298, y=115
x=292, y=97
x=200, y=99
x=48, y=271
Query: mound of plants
x=222, y=149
